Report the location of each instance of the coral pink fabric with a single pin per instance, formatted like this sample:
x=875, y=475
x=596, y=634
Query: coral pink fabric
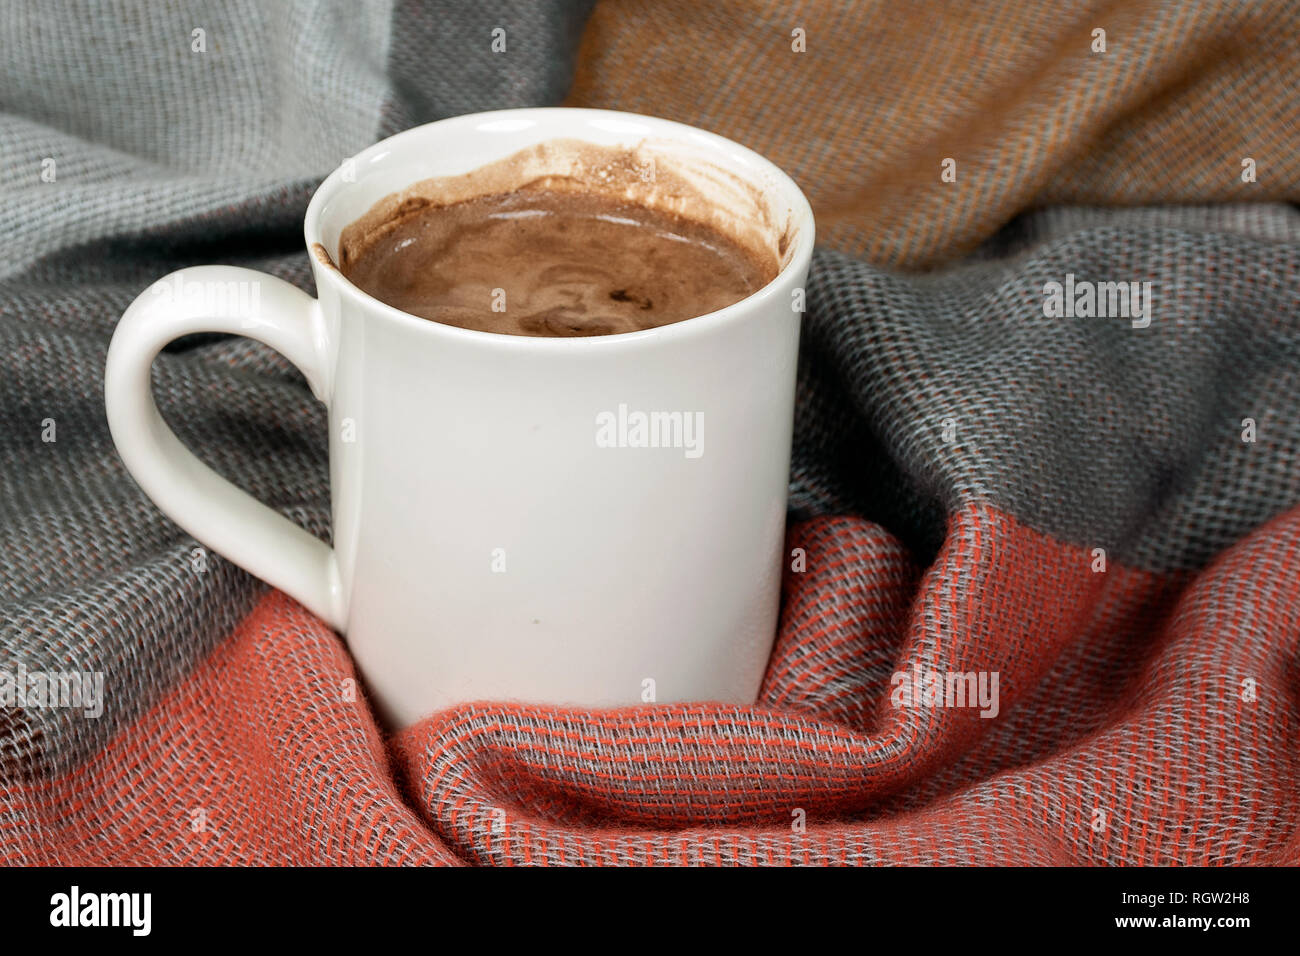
x=1108, y=749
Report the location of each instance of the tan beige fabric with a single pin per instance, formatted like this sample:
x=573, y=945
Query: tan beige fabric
x=1011, y=91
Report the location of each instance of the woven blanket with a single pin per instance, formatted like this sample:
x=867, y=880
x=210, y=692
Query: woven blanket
x=1043, y=604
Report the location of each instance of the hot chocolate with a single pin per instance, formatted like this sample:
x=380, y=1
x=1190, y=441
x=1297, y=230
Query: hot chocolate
x=547, y=262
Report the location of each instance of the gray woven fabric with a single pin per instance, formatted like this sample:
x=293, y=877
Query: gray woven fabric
x=166, y=157
x=146, y=131
x=1087, y=428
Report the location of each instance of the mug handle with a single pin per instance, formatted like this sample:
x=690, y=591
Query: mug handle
x=216, y=512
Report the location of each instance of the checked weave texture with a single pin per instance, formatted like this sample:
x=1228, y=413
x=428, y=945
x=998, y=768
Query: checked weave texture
x=962, y=463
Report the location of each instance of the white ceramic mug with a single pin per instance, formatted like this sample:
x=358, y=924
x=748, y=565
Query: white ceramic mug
x=489, y=543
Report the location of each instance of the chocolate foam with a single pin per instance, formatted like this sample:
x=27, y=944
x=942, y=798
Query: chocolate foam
x=569, y=238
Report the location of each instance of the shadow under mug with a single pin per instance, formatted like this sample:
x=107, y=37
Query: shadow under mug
x=500, y=529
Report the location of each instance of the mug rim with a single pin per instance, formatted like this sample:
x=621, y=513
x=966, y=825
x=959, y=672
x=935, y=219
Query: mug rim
x=701, y=324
